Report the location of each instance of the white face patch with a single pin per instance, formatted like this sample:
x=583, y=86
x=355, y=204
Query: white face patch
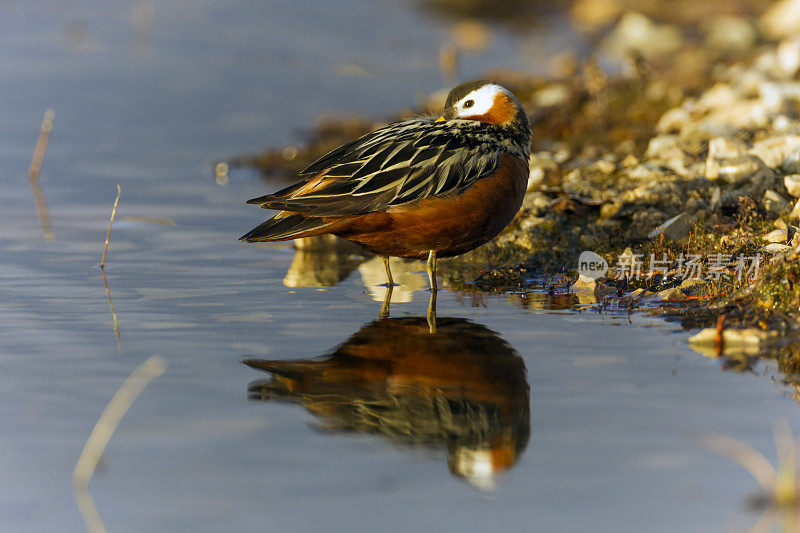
x=478, y=102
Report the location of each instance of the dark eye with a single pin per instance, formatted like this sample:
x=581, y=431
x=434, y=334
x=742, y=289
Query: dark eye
x=469, y=103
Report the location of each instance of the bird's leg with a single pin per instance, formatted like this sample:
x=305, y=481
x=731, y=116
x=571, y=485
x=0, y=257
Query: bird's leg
x=386, y=301
x=432, y=312
x=389, y=280
x=431, y=264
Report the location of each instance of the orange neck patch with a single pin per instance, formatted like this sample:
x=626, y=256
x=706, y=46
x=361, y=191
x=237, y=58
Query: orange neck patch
x=502, y=112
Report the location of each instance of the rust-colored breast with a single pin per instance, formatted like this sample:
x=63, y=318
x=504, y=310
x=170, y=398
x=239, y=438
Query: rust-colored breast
x=449, y=225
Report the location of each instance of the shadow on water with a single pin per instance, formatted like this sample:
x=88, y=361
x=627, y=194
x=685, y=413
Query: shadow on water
x=462, y=389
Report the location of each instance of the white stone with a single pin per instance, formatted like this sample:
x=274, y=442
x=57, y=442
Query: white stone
x=637, y=32
x=782, y=19
x=778, y=235
x=792, y=183
x=787, y=57
x=774, y=150
x=775, y=203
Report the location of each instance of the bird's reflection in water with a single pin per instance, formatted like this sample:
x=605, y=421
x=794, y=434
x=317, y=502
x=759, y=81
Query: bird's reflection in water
x=462, y=389
x=322, y=261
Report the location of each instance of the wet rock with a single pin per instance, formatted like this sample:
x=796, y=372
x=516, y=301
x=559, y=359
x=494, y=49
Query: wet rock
x=673, y=229
x=502, y=279
x=750, y=340
x=674, y=293
x=591, y=287
x=639, y=294
x=774, y=150
x=781, y=20
x=775, y=203
x=636, y=32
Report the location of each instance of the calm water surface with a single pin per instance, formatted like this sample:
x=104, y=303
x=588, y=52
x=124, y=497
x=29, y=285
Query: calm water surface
x=593, y=417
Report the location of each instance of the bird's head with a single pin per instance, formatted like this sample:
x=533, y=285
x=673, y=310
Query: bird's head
x=483, y=101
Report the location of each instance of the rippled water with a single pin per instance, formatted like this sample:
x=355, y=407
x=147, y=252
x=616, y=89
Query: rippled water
x=593, y=417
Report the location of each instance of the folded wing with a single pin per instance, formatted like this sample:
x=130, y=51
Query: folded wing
x=398, y=164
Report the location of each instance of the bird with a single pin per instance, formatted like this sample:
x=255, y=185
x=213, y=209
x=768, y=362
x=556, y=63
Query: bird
x=420, y=188
x=463, y=389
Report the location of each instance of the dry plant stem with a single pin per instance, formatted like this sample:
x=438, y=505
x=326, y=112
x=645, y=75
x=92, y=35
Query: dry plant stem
x=108, y=233
x=786, y=477
x=33, y=174
x=113, y=313
x=91, y=516
x=111, y=417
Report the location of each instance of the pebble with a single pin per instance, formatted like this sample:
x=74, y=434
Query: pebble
x=675, y=293
x=774, y=248
x=731, y=33
x=748, y=340
x=735, y=170
x=773, y=151
x=725, y=147
x=673, y=120
x=787, y=57
x=775, y=203
x=782, y=19
x=792, y=183
x=778, y=235
x=795, y=214
x=637, y=32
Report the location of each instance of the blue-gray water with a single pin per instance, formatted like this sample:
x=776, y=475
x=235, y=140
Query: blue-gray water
x=150, y=103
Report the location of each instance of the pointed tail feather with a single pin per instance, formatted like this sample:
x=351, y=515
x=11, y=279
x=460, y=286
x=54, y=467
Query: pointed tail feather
x=282, y=228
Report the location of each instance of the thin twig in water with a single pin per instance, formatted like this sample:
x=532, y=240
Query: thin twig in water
x=108, y=233
x=102, y=433
x=33, y=174
x=112, y=415
x=113, y=313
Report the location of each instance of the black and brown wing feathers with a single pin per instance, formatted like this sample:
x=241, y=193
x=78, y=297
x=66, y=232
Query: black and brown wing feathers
x=398, y=164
